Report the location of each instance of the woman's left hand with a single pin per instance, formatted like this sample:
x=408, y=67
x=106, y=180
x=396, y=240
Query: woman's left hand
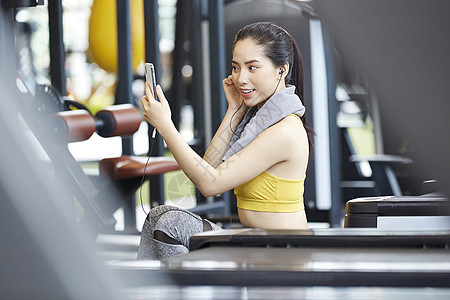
x=157, y=113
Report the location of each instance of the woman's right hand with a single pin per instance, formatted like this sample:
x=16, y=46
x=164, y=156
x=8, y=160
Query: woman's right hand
x=157, y=113
x=232, y=94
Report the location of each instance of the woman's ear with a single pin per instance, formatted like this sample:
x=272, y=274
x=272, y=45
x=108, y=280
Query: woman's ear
x=284, y=70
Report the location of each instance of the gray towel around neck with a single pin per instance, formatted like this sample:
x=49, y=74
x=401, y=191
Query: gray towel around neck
x=280, y=105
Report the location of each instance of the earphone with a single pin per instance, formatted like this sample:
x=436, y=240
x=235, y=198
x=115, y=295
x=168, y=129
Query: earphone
x=281, y=72
x=281, y=77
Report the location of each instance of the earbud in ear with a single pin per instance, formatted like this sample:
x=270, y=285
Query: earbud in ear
x=281, y=71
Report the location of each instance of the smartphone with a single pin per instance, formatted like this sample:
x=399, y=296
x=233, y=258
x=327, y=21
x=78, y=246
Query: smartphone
x=151, y=78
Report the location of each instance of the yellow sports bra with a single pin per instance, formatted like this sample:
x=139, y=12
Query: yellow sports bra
x=269, y=193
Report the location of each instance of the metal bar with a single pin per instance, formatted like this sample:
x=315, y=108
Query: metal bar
x=197, y=65
x=56, y=42
x=7, y=42
x=335, y=140
x=124, y=71
x=124, y=92
x=320, y=117
x=217, y=49
x=217, y=74
x=152, y=54
x=177, y=91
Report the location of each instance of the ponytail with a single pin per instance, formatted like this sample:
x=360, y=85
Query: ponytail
x=296, y=80
x=297, y=71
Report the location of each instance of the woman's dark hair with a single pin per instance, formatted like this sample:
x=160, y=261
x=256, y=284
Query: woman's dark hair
x=281, y=48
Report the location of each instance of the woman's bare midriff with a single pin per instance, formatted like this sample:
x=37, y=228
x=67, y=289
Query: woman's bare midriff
x=273, y=220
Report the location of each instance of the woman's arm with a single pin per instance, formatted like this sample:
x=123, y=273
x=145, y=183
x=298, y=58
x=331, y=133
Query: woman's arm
x=223, y=135
x=221, y=139
x=268, y=149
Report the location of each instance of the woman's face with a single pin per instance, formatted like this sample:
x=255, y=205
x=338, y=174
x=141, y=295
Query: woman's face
x=254, y=75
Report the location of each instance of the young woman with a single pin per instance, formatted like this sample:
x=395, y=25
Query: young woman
x=260, y=150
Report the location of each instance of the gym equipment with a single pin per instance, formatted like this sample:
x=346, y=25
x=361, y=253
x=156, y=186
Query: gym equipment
x=400, y=213
x=124, y=174
x=79, y=125
x=324, y=237
x=71, y=126
x=39, y=231
x=315, y=257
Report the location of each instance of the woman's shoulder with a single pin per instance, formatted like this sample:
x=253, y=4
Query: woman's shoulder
x=294, y=117
x=289, y=127
x=291, y=122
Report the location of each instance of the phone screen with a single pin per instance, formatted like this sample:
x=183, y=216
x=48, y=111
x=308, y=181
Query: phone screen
x=151, y=78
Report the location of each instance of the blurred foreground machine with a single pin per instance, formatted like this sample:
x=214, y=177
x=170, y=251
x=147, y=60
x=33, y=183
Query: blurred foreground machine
x=319, y=257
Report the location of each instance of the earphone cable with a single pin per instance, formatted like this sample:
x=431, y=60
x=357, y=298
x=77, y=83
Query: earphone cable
x=234, y=132
x=152, y=143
